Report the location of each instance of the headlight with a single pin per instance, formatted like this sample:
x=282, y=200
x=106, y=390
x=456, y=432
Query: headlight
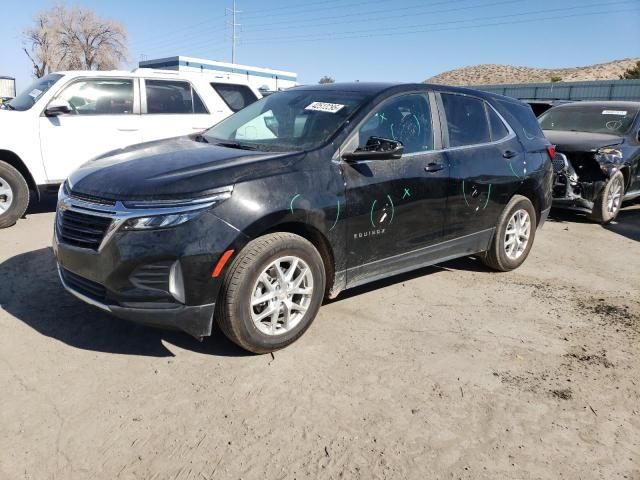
x=160, y=221
x=170, y=213
x=609, y=155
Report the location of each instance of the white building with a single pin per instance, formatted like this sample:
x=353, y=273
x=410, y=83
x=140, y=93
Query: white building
x=260, y=78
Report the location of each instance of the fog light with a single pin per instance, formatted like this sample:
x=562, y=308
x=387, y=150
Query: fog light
x=176, y=282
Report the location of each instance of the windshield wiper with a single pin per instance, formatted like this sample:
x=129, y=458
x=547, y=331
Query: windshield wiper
x=241, y=146
x=8, y=106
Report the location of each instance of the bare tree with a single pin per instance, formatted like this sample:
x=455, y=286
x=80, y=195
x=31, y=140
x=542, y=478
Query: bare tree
x=74, y=39
x=43, y=47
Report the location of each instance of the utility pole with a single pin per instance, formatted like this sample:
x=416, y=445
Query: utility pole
x=234, y=26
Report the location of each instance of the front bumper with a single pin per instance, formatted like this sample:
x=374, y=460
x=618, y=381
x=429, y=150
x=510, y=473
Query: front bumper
x=132, y=274
x=194, y=320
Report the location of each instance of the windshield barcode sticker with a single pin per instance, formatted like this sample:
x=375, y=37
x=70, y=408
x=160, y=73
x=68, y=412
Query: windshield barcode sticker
x=622, y=113
x=34, y=93
x=325, y=107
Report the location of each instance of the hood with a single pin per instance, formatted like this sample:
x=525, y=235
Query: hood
x=174, y=168
x=566, y=141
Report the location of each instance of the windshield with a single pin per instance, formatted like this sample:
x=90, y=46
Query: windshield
x=589, y=118
x=28, y=97
x=287, y=121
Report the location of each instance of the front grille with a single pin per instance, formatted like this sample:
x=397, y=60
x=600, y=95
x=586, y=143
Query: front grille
x=83, y=197
x=84, y=286
x=82, y=229
x=558, y=163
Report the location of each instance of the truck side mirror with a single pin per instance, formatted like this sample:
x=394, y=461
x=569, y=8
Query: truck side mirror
x=57, y=107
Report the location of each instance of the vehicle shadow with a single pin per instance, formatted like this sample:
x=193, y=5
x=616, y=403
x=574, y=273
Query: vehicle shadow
x=46, y=204
x=626, y=224
x=32, y=293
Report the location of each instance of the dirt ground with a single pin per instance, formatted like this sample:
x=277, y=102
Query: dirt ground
x=449, y=372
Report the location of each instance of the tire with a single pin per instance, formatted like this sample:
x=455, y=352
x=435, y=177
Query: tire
x=608, y=203
x=253, y=276
x=507, y=254
x=14, y=195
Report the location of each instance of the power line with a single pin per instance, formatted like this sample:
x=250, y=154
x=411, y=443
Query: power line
x=371, y=33
x=360, y=14
x=305, y=7
x=387, y=17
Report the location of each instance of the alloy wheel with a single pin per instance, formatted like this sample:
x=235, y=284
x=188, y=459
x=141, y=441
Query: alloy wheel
x=281, y=296
x=6, y=196
x=516, y=236
x=614, y=197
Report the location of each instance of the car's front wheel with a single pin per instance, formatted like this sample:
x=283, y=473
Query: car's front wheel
x=514, y=235
x=608, y=203
x=14, y=195
x=271, y=292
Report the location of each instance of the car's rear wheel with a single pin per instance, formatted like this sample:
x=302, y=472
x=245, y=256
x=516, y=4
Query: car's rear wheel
x=271, y=292
x=14, y=195
x=608, y=203
x=513, y=239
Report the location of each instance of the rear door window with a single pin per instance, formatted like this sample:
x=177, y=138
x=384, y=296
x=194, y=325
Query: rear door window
x=172, y=97
x=466, y=120
x=235, y=96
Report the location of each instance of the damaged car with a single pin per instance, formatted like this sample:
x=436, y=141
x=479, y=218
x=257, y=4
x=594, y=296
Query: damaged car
x=597, y=164
x=297, y=197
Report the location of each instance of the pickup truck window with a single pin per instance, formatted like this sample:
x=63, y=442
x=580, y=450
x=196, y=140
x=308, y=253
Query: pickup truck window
x=171, y=97
x=26, y=99
x=99, y=96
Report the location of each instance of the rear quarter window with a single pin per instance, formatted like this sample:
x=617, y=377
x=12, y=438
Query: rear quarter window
x=524, y=122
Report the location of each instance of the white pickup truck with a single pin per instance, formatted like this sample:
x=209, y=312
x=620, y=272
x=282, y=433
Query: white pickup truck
x=64, y=119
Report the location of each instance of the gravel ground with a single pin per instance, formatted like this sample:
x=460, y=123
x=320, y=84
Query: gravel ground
x=449, y=372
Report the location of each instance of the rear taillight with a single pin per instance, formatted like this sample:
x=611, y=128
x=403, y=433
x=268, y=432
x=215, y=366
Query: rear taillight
x=551, y=150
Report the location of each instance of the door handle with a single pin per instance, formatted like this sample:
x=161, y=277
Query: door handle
x=128, y=129
x=509, y=154
x=433, y=167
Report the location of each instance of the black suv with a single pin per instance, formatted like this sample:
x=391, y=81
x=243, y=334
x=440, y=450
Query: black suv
x=598, y=161
x=297, y=197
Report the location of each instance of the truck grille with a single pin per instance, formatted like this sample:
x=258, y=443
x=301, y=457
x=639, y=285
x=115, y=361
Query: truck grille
x=84, y=286
x=82, y=229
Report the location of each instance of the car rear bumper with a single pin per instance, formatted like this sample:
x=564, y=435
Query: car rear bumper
x=544, y=214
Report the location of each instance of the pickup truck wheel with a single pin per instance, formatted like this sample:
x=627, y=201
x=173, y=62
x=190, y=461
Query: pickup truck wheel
x=14, y=195
x=515, y=232
x=271, y=292
x=608, y=203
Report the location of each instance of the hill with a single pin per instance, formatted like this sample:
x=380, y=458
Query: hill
x=494, y=74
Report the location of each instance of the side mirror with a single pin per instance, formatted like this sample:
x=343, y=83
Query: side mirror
x=377, y=148
x=57, y=107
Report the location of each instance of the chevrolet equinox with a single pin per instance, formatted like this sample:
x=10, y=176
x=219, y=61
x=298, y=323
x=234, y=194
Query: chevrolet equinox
x=297, y=197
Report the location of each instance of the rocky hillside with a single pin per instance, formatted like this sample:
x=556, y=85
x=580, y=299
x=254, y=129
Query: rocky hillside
x=492, y=74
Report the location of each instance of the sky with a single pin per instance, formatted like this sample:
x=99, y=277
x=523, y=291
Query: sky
x=375, y=40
